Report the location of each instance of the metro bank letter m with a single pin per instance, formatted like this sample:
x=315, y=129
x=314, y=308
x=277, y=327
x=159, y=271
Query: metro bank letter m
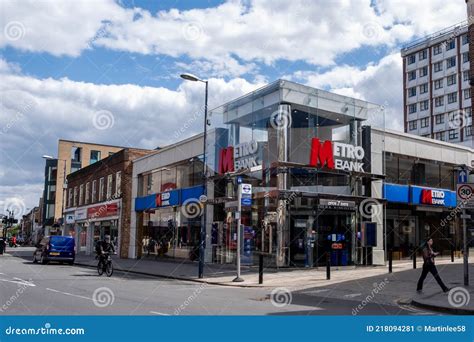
x=226, y=160
x=321, y=154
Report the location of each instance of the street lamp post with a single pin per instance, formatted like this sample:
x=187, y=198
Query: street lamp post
x=193, y=78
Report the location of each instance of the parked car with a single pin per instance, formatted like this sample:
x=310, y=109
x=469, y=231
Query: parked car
x=55, y=248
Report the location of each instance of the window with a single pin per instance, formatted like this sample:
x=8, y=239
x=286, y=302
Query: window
x=95, y=156
x=465, y=76
x=450, y=80
x=412, y=108
x=453, y=134
x=437, y=49
x=411, y=59
x=411, y=91
x=467, y=93
x=440, y=136
x=109, y=187
x=423, y=71
x=75, y=196
x=451, y=62
x=468, y=131
x=451, y=44
x=465, y=39
x=118, y=184
x=424, y=88
x=439, y=101
x=81, y=194
x=465, y=57
x=411, y=75
x=438, y=66
x=101, y=189
x=88, y=193
x=438, y=84
x=69, y=201
x=424, y=122
x=422, y=55
x=439, y=119
x=452, y=97
x=424, y=105
x=468, y=112
x=412, y=125
x=94, y=191
x=76, y=158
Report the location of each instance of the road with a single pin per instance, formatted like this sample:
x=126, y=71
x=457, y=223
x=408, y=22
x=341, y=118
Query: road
x=54, y=289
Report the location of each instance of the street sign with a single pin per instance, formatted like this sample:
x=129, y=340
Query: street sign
x=462, y=176
x=246, y=189
x=465, y=195
x=246, y=201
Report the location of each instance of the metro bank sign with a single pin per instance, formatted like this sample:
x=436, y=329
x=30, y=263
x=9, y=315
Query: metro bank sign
x=329, y=154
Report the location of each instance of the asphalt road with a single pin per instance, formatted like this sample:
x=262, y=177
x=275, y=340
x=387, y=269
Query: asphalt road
x=54, y=289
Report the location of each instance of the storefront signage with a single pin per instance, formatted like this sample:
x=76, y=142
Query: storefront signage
x=70, y=218
x=336, y=155
x=80, y=214
x=104, y=210
x=433, y=197
x=168, y=198
x=336, y=204
x=241, y=156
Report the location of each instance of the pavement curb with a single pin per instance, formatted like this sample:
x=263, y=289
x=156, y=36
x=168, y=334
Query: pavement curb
x=179, y=278
x=451, y=310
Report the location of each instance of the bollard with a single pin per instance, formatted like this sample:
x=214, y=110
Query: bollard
x=390, y=259
x=260, y=269
x=328, y=267
x=452, y=254
x=414, y=258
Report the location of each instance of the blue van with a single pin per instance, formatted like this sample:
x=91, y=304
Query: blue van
x=55, y=248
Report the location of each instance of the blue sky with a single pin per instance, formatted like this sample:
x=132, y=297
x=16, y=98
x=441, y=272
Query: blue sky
x=62, y=62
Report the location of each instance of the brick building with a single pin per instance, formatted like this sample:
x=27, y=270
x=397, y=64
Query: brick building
x=98, y=201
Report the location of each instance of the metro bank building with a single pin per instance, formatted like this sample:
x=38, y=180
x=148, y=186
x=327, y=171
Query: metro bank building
x=328, y=181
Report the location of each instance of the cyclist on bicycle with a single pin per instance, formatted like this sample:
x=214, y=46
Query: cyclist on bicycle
x=105, y=247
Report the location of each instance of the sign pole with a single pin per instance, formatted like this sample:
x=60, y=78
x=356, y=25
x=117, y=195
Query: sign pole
x=238, y=279
x=465, y=260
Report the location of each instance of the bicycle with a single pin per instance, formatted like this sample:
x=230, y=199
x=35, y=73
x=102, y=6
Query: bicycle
x=105, y=264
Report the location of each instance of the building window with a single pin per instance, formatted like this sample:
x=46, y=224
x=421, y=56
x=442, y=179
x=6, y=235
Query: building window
x=451, y=62
x=451, y=44
x=465, y=39
x=424, y=122
x=422, y=55
x=424, y=88
x=75, y=196
x=437, y=49
x=468, y=131
x=101, y=189
x=76, y=159
x=412, y=125
x=424, y=105
x=439, y=119
x=95, y=156
x=94, y=191
x=81, y=194
x=440, y=136
x=465, y=75
x=438, y=66
x=411, y=75
x=453, y=134
x=423, y=71
x=439, y=101
x=118, y=184
x=109, y=187
x=453, y=97
x=438, y=84
x=69, y=200
x=450, y=80
x=412, y=108
x=467, y=93
x=88, y=193
x=411, y=91
x=468, y=111
x=465, y=57
x=411, y=59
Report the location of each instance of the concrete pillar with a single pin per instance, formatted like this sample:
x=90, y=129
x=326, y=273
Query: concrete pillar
x=378, y=212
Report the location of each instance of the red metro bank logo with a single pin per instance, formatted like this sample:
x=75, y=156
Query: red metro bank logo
x=435, y=197
x=336, y=155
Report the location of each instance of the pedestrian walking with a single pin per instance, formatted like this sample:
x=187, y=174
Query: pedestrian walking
x=429, y=267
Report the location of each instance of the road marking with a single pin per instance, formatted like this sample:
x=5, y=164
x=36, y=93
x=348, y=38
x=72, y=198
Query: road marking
x=352, y=295
x=26, y=283
x=319, y=291
x=159, y=313
x=68, y=294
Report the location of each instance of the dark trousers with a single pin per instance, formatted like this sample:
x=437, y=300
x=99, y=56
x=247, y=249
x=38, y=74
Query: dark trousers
x=430, y=268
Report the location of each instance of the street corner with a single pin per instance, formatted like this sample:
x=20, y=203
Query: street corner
x=459, y=300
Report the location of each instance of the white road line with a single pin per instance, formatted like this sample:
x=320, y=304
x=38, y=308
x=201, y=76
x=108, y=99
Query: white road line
x=68, y=294
x=352, y=295
x=18, y=282
x=319, y=291
x=159, y=313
